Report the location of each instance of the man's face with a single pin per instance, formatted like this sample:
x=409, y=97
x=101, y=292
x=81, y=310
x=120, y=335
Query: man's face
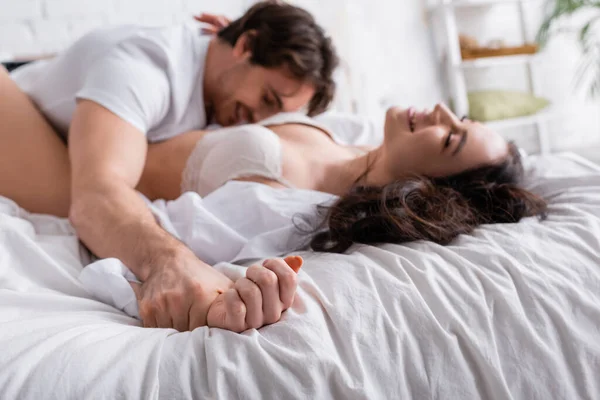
x=248, y=93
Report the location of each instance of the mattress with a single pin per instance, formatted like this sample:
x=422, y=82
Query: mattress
x=508, y=312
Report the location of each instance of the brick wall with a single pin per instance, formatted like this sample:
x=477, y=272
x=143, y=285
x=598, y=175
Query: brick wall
x=386, y=46
x=41, y=26
x=33, y=27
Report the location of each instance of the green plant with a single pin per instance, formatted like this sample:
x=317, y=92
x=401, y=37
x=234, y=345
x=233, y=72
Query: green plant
x=558, y=13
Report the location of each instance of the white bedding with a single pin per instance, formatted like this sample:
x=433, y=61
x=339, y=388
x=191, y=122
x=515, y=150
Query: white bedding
x=219, y=228
x=512, y=311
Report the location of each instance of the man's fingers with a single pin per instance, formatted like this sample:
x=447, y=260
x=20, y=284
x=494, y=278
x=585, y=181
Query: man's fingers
x=195, y=317
x=149, y=320
x=137, y=289
x=286, y=278
x=181, y=320
x=179, y=310
x=172, y=312
x=161, y=313
x=236, y=311
x=151, y=323
x=251, y=295
x=146, y=311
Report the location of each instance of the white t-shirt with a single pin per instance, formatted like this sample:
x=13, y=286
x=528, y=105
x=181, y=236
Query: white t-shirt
x=150, y=77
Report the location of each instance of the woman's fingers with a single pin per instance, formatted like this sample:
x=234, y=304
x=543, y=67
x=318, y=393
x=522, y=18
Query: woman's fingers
x=295, y=262
x=224, y=21
x=205, y=18
x=258, y=299
x=209, y=30
x=218, y=21
x=214, y=23
x=286, y=279
x=217, y=313
x=251, y=295
x=268, y=283
x=235, y=319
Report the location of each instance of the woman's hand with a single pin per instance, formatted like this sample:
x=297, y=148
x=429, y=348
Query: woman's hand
x=215, y=22
x=259, y=298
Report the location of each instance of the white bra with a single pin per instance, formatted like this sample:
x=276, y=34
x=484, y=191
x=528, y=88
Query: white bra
x=239, y=152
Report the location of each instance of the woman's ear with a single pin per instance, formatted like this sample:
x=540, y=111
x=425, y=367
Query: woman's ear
x=243, y=46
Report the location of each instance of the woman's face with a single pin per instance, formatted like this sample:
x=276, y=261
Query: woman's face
x=436, y=143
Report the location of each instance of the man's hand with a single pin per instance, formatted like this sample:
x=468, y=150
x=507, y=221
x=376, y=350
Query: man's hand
x=179, y=291
x=107, y=156
x=215, y=22
x=259, y=298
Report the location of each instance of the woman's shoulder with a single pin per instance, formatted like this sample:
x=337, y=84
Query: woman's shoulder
x=345, y=129
x=244, y=138
x=295, y=118
x=287, y=117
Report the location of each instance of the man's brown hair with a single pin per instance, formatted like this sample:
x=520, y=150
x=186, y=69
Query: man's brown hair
x=288, y=36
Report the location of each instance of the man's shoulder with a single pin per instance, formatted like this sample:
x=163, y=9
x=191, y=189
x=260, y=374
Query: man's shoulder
x=174, y=37
x=180, y=50
x=147, y=39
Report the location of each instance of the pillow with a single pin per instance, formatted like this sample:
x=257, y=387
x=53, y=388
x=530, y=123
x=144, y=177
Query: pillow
x=491, y=105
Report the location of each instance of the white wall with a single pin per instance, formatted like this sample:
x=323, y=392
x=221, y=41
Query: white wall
x=387, y=50
x=35, y=26
x=387, y=46
x=370, y=34
x=577, y=124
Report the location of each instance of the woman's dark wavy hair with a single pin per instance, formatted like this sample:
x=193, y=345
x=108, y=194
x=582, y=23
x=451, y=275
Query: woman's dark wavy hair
x=434, y=209
x=286, y=35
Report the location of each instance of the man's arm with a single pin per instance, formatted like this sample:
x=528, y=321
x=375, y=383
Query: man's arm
x=107, y=157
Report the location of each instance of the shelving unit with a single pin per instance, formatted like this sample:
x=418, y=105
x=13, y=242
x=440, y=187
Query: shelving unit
x=490, y=62
x=456, y=67
x=478, y=3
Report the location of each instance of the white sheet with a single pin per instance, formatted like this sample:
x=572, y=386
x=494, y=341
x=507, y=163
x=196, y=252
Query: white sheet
x=512, y=311
x=219, y=228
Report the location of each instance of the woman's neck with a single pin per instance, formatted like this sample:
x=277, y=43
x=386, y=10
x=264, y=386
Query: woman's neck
x=340, y=176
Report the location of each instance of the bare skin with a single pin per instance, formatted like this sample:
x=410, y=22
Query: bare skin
x=107, y=158
x=428, y=143
x=34, y=162
x=93, y=180
x=432, y=143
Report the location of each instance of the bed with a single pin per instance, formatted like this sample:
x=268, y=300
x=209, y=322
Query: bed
x=509, y=312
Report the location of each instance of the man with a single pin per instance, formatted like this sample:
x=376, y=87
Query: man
x=117, y=89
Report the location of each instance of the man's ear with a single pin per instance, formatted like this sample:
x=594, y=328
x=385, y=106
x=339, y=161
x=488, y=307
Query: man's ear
x=243, y=46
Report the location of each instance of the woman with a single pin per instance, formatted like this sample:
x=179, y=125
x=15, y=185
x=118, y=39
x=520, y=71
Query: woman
x=434, y=177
